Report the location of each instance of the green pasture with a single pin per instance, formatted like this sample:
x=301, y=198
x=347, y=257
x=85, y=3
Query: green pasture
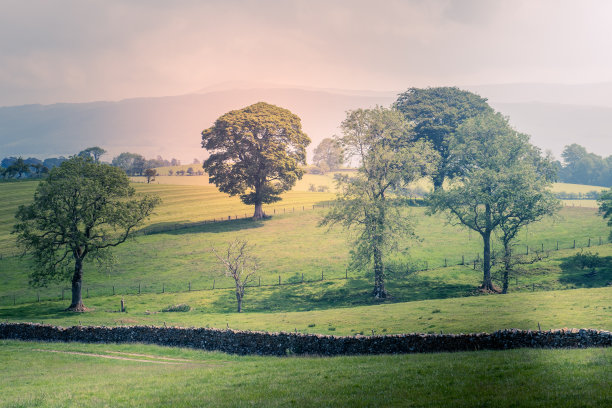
x=291, y=245
x=579, y=308
x=64, y=375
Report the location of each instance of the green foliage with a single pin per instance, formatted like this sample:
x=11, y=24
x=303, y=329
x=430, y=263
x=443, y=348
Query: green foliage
x=131, y=163
x=436, y=114
x=82, y=209
x=586, y=259
x=183, y=307
x=328, y=155
x=605, y=207
x=582, y=167
x=382, y=141
x=92, y=152
x=505, y=183
x=255, y=152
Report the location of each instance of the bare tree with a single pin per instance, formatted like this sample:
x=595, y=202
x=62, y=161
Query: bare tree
x=239, y=264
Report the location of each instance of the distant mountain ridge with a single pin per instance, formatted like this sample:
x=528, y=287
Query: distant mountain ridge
x=170, y=126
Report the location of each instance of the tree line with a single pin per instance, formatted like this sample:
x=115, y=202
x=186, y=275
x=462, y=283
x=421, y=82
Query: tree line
x=582, y=167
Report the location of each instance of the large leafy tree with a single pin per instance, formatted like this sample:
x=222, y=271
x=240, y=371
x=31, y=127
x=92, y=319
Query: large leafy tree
x=94, y=153
x=255, y=152
x=384, y=144
x=132, y=163
x=503, y=184
x=81, y=211
x=436, y=113
x=328, y=155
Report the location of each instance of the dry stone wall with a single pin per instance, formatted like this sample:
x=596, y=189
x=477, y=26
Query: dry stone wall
x=263, y=343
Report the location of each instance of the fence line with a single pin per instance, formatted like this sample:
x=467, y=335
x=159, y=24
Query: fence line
x=63, y=293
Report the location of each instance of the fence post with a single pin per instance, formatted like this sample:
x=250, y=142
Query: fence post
x=163, y=288
x=189, y=289
x=14, y=300
x=62, y=293
x=599, y=240
x=87, y=293
x=213, y=284
x=38, y=295
x=527, y=253
x=589, y=245
x=321, y=275
x=260, y=281
x=279, y=282
x=426, y=265
x=462, y=259
x=139, y=288
x=445, y=264
x=113, y=290
x=346, y=274
x=474, y=264
x=275, y=211
x=542, y=247
x=557, y=245
x=574, y=244
x=533, y=287
x=302, y=277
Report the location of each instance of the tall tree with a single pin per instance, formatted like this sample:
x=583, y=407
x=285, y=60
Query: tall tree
x=383, y=143
x=328, y=155
x=436, y=113
x=255, y=152
x=94, y=153
x=497, y=161
x=81, y=211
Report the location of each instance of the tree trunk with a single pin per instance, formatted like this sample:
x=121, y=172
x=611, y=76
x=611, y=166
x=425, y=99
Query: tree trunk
x=259, y=213
x=77, y=284
x=438, y=180
x=507, y=267
x=379, y=276
x=239, y=299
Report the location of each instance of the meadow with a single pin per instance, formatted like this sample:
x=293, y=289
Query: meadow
x=59, y=375
x=433, y=284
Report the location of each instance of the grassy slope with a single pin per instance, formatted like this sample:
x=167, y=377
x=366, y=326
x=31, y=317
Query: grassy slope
x=552, y=309
x=33, y=376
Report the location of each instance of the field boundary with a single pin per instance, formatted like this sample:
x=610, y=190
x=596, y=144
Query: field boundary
x=280, y=344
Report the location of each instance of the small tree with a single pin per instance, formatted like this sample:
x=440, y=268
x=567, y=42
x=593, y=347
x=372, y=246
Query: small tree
x=150, y=175
x=239, y=265
x=81, y=211
x=383, y=143
x=255, y=152
x=190, y=171
x=328, y=155
x=605, y=207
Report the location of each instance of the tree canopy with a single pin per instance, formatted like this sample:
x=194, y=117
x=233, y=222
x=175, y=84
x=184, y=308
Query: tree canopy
x=436, y=113
x=255, y=152
x=94, y=153
x=605, y=207
x=383, y=142
x=503, y=184
x=79, y=212
x=328, y=155
x=582, y=167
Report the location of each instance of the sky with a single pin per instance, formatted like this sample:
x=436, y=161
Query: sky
x=79, y=51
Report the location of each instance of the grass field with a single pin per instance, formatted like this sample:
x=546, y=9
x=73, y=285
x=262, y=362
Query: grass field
x=59, y=375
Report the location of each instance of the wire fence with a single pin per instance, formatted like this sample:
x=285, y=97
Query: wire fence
x=63, y=292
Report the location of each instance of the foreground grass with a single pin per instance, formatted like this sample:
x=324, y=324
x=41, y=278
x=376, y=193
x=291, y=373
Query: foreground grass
x=580, y=308
x=44, y=374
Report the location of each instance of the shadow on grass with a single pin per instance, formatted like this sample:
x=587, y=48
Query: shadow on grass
x=336, y=294
x=185, y=227
x=593, y=276
x=35, y=312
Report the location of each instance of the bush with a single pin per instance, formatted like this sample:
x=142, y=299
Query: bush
x=177, y=308
x=586, y=260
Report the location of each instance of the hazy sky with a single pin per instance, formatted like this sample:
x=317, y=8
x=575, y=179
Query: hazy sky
x=75, y=50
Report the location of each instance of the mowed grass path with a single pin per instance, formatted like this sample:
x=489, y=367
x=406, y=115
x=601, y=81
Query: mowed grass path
x=60, y=375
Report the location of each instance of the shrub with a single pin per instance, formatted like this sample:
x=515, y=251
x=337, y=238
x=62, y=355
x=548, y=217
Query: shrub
x=177, y=308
